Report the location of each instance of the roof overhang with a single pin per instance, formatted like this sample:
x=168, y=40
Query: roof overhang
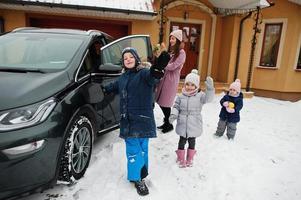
x=238, y=6
x=84, y=9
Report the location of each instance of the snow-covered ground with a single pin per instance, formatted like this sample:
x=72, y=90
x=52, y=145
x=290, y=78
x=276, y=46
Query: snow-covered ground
x=263, y=161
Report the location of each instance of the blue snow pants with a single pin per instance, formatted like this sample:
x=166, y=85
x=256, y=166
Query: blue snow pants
x=137, y=157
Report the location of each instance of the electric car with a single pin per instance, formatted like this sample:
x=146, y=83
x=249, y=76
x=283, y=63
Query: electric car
x=51, y=102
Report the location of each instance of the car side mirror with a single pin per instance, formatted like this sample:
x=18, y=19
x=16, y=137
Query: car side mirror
x=110, y=68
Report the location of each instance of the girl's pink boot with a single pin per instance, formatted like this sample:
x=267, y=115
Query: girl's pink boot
x=190, y=155
x=181, y=158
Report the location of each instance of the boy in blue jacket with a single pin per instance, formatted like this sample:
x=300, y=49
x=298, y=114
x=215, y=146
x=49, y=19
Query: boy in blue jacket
x=137, y=123
x=229, y=116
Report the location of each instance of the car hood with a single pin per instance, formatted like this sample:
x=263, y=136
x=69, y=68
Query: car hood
x=20, y=89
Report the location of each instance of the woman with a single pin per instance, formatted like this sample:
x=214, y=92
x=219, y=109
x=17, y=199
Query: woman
x=168, y=85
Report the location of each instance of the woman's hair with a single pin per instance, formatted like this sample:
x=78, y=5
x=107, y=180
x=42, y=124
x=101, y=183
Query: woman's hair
x=176, y=49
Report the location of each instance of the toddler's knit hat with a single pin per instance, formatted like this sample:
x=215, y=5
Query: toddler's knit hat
x=236, y=85
x=177, y=34
x=133, y=51
x=193, y=77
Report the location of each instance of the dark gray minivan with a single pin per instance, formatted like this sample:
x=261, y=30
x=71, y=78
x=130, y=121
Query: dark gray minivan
x=51, y=102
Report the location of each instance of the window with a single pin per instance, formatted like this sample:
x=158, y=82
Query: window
x=86, y=67
x=38, y=51
x=270, y=45
x=299, y=60
x=112, y=54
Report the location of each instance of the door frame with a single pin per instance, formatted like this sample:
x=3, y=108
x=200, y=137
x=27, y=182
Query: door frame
x=202, y=23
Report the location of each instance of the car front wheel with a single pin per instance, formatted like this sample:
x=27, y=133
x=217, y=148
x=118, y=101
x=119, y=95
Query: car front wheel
x=77, y=150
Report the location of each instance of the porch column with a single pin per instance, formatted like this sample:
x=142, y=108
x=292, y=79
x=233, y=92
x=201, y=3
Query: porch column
x=212, y=40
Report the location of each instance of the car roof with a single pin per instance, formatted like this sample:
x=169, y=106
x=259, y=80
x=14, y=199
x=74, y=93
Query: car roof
x=60, y=31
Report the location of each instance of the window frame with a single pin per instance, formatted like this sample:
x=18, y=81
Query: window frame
x=298, y=54
x=121, y=43
x=260, y=42
x=263, y=44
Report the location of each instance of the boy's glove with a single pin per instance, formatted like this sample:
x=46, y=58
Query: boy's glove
x=162, y=61
x=156, y=72
x=104, y=90
x=209, y=83
x=157, y=69
x=226, y=104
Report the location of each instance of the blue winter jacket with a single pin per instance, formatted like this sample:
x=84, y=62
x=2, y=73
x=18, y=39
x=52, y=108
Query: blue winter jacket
x=238, y=104
x=136, y=90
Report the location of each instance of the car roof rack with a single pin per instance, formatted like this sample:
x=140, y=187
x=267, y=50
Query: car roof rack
x=91, y=31
x=97, y=32
x=23, y=28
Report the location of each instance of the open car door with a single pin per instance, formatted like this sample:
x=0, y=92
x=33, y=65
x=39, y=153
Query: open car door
x=110, y=69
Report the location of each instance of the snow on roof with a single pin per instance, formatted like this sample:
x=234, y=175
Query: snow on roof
x=129, y=9
x=134, y=5
x=238, y=6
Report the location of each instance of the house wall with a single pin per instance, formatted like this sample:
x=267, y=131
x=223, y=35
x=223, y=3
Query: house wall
x=284, y=79
x=228, y=34
x=146, y=27
x=283, y=82
x=13, y=20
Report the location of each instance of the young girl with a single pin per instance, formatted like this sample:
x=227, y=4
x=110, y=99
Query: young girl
x=229, y=116
x=137, y=124
x=168, y=86
x=187, y=110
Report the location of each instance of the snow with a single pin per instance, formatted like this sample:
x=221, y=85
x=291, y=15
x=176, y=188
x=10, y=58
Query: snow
x=263, y=161
x=137, y=5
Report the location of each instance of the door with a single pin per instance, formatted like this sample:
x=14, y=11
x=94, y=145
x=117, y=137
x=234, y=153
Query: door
x=108, y=72
x=191, y=37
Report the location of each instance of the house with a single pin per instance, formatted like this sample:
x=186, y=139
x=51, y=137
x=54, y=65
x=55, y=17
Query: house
x=221, y=37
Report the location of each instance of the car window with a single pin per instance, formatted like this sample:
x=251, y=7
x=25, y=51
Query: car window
x=37, y=51
x=95, y=53
x=111, y=54
x=86, y=67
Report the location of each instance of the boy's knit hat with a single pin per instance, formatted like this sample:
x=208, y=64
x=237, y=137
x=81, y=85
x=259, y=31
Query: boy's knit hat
x=193, y=77
x=177, y=34
x=133, y=51
x=236, y=85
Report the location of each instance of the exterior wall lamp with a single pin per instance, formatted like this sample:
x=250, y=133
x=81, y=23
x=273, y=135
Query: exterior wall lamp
x=186, y=15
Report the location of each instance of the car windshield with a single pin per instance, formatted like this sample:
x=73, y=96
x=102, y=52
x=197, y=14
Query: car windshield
x=36, y=51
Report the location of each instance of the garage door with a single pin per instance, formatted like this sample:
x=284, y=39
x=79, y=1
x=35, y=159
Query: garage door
x=116, y=29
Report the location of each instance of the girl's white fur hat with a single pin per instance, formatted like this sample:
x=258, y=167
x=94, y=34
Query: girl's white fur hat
x=177, y=34
x=193, y=77
x=236, y=85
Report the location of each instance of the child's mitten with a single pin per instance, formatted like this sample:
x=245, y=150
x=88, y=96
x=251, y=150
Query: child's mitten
x=230, y=110
x=209, y=83
x=226, y=104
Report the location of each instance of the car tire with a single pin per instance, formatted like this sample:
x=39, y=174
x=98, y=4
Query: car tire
x=77, y=150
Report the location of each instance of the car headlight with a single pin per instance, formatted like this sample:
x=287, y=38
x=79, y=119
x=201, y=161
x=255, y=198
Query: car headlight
x=26, y=116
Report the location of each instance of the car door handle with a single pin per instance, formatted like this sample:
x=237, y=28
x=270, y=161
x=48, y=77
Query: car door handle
x=106, y=75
